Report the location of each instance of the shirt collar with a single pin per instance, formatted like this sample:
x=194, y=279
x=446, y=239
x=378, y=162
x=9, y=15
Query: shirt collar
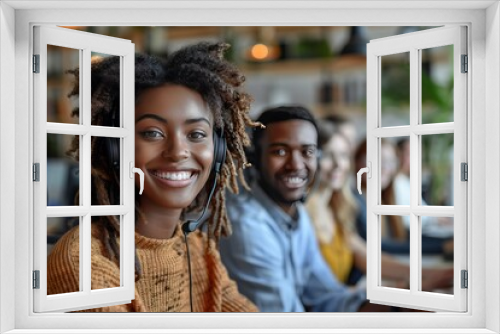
x=280, y=216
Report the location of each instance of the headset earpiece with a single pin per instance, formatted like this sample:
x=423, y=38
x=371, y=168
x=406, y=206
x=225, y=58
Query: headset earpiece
x=112, y=149
x=112, y=145
x=219, y=149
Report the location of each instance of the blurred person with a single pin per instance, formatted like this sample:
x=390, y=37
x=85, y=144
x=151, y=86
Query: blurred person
x=187, y=107
x=392, y=226
x=441, y=227
x=333, y=209
x=273, y=254
x=346, y=127
x=395, y=236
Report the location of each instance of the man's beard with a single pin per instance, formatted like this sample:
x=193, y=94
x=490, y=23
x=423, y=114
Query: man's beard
x=277, y=196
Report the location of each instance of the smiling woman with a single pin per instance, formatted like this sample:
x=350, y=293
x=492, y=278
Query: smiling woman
x=174, y=147
x=180, y=103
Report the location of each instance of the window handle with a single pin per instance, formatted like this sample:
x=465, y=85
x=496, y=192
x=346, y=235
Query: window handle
x=368, y=171
x=138, y=171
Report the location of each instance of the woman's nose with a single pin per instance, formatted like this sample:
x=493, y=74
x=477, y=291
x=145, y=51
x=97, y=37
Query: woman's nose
x=335, y=162
x=176, y=148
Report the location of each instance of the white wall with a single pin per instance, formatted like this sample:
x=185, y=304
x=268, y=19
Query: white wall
x=491, y=108
x=7, y=159
x=492, y=152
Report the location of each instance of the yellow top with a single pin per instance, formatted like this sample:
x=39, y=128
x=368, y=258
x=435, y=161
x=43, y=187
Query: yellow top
x=332, y=240
x=338, y=256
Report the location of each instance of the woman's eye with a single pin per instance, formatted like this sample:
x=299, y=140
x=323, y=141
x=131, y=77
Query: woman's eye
x=197, y=135
x=152, y=134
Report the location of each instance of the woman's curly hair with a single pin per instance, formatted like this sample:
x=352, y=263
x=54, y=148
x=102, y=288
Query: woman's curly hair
x=200, y=67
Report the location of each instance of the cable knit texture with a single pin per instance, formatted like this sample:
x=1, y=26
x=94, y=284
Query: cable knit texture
x=164, y=284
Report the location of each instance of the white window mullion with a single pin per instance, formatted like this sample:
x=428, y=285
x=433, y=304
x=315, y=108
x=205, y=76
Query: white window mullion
x=77, y=129
x=74, y=211
x=403, y=210
x=421, y=129
x=127, y=229
x=103, y=131
x=393, y=131
x=434, y=211
x=434, y=129
x=372, y=189
x=415, y=105
x=397, y=210
x=86, y=164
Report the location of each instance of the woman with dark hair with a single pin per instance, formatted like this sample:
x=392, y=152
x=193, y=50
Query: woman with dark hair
x=190, y=118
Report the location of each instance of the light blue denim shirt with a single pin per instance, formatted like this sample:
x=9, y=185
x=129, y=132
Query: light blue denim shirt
x=276, y=260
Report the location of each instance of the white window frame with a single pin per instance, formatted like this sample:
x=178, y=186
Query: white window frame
x=85, y=43
x=413, y=44
x=483, y=21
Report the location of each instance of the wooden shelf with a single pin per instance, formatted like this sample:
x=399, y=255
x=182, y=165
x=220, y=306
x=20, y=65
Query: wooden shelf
x=205, y=31
x=299, y=66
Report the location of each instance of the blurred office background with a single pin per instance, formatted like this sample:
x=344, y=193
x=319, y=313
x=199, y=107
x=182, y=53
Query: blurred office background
x=321, y=68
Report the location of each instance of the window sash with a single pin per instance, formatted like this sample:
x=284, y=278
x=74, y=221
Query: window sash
x=86, y=43
x=413, y=43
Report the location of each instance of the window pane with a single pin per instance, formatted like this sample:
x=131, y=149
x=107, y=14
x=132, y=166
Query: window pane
x=63, y=272
x=103, y=116
x=60, y=83
x=63, y=180
x=106, y=159
x=105, y=252
x=437, y=169
x=389, y=169
x=437, y=84
x=437, y=269
x=395, y=100
x=393, y=230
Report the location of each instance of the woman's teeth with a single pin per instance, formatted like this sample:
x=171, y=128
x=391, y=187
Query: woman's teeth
x=178, y=176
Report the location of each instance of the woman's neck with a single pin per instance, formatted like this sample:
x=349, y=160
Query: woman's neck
x=334, y=203
x=156, y=222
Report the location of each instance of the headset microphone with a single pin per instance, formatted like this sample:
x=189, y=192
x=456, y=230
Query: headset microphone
x=192, y=225
x=219, y=158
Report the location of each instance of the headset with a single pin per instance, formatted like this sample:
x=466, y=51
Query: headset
x=112, y=147
x=220, y=146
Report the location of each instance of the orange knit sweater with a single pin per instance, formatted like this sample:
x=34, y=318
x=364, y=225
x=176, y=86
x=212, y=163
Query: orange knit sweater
x=164, y=284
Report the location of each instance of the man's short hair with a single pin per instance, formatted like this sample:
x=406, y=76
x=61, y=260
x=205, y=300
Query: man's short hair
x=274, y=115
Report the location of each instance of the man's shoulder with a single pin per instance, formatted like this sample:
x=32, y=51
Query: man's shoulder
x=245, y=201
x=245, y=208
